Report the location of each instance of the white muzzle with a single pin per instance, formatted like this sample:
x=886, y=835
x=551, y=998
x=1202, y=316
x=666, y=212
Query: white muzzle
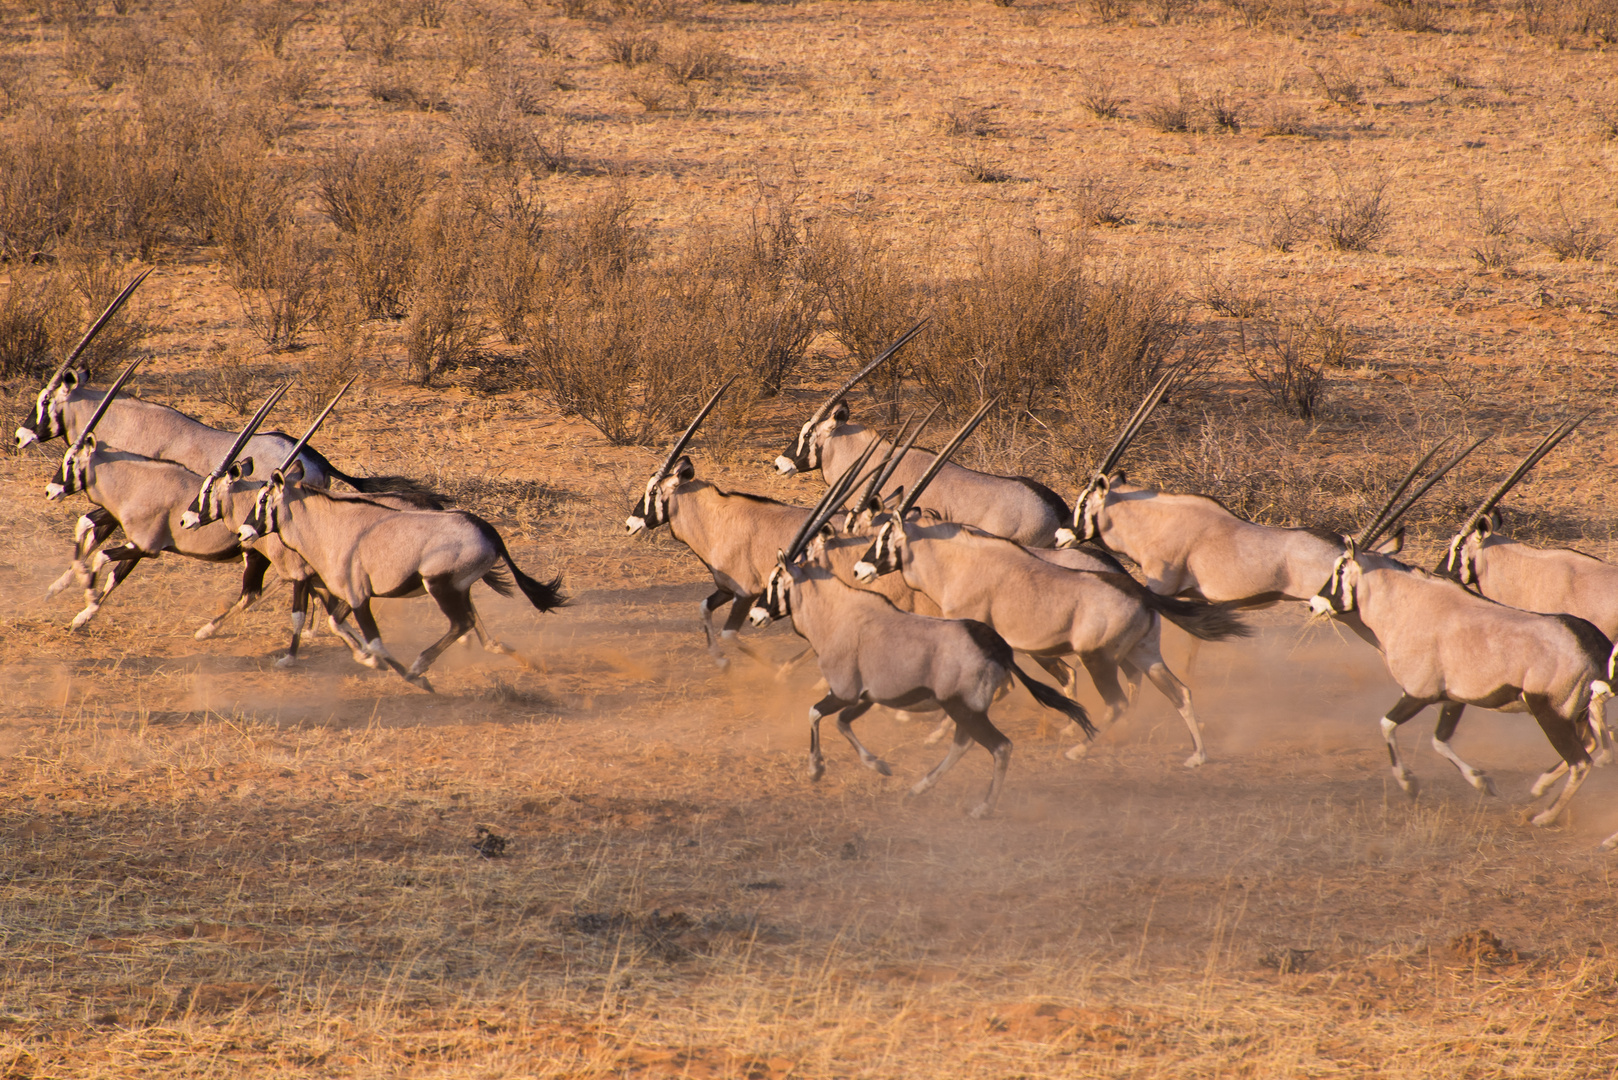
x=785, y=466
x=247, y=534
x=55, y=492
x=25, y=438
x=758, y=616
x=190, y=520
x=864, y=572
x=1066, y=538
x=635, y=525
x=1319, y=605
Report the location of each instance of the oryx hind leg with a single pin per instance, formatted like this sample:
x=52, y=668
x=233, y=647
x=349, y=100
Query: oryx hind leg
x=456, y=604
x=373, y=645
x=90, y=533
x=123, y=558
x=1402, y=710
x=254, y=566
x=492, y=644
x=1067, y=679
x=1147, y=655
x=301, y=589
x=1104, y=673
x=829, y=704
x=713, y=603
x=1448, y=717
x=972, y=726
x=1564, y=736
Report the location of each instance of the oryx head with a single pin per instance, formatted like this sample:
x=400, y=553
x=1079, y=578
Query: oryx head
x=264, y=519
x=803, y=454
x=1093, y=499
x=653, y=508
x=885, y=555
x=209, y=505
x=1337, y=596
x=775, y=602
x=48, y=420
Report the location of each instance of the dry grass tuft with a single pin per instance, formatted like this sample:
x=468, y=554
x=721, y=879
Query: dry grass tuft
x=1570, y=235
x=1357, y=214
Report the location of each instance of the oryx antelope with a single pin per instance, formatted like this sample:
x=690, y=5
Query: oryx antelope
x=872, y=653
x=1015, y=507
x=63, y=407
x=362, y=549
x=1104, y=618
x=1444, y=645
x=1192, y=545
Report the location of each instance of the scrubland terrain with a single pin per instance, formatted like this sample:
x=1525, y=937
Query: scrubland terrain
x=540, y=234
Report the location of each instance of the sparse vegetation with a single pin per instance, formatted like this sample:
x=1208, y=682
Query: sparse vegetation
x=1357, y=214
x=1570, y=235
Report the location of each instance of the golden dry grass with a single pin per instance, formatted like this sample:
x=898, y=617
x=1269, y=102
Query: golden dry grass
x=212, y=868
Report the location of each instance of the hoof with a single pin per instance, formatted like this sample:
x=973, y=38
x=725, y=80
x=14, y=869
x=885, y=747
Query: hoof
x=1485, y=785
x=722, y=663
x=80, y=619
x=1609, y=843
x=980, y=811
x=1541, y=786
x=1410, y=785
x=1196, y=761
x=880, y=766
x=205, y=633
x=286, y=661
x=369, y=661
x=1544, y=818
x=817, y=769
x=1078, y=753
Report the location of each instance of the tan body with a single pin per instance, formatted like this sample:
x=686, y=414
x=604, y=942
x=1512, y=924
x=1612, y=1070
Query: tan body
x=1547, y=580
x=1443, y=644
x=1104, y=619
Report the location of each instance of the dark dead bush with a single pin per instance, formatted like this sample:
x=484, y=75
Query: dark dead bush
x=694, y=59
x=1357, y=214
x=279, y=279
x=1110, y=11
x=445, y=324
x=1102, y=202
x=631, y=48
x=1570, y=235
x=1494, y=222
x=978, y=167
x=1340, y=86
x=271, y=22
x=1178, y=113
x=1414, y=16
x=1275, y=355
x=1098, y=92
x=1284, y=220
x=372, y=195
x=44, y=312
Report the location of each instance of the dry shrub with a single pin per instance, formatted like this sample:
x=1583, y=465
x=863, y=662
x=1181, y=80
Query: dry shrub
x=1276, y=357
x=500, y=132
x=871, y=295
x=234, y=193
x=229, y=379
x=979, y=167
x=1167, y=11
x=1415, y=16
x=516, y=264
x=344, y=342
x=1565, y=21
x=1569, y=235
x=1283, y=118
x=1231, y=295
x=1102, y=202
x=695, y=58
x=964, y=121
x=1340, y=86
x=1494, y=221
x=44, y=312
x=107, y=54
x=631, y=48
x=372, y=196
x=419, y=86
x=1110, y=11
x=1098, y=92
x=1173, y=114
x=271, y=22
x=1284, y=221
x=1356, y=215
x=1252, y=13
x=279, y=277
x=1223, y=112
x=654, y=94
x=217, y=38
x=445, y=324
x=378, y=29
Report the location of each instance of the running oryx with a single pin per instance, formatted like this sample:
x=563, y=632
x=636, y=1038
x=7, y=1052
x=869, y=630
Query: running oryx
x=872, y=653
x=1445, y=645
x=159, y=432
x=1193, y=546
x=362, y=549
x=1016, y=507
x=1104, y=618
x=1547, y=580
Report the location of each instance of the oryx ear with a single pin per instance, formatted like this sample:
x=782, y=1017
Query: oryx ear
x=1489, y=524
x=240, y=469
x=683, y=470
x=839, y=412
x=1350, y=548
x=295, y=473
x=895, y=499
x=1391, y=545
x=780, y=557
x=1117, y=478
x=90, y=441
x=70, y=379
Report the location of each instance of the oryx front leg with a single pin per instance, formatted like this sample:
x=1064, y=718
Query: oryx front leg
x=456, y=604
x=373, y=645
x=254, y=567
x=125, y=556
x=712, y=604
x=829, y=704
x=1148, y=657
x=1565, y=738
x=1402, y=710
x=90, y=533
x=1448, y=717
x=1104, y=673
x=845, y=724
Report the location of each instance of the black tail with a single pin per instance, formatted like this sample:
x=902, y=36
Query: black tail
x=1210, y=622
x=1052, y=698
x=413, y=489
x=498, y=580
x=544, y=595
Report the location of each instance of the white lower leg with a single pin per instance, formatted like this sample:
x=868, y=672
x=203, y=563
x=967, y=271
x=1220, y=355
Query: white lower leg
x=1476, y=777
x=1547, y=778
x=1406, y=779
x=1575, y=777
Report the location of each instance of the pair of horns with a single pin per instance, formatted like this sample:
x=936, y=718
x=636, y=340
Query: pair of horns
x=884, y=473
x=96, y=328
x=826, y=406
x=943, y=455
x=681, y=443
x=1389, y=515
x=247, y=432
x=1147, y=406
x=829, y=504
x=314, y=427
x=1535, y=456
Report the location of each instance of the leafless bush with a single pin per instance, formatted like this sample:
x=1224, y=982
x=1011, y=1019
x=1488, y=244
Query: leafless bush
x=279, y=279
x=1284, y=221
x=496, y=130
x=37, y=314
x=234, y=194
x=1231, y=295
x=1167, y=11
x=419, y=86
x=871, y=295
x=979, y=167
x=1340, y=86
x=1356, y=215
x=964, y=121
x=631, y=48
x=1252, y=13
x=1224, y=112
x=1275, y=357
x=1494, y=221
x=1566, y=20
x=379, y=29
x=694, y=59
x=653, y=94
x=1415, y=16
x=1569, y=235
x=109, y=54
x=1102, y=202
x=653, y=10
x=272, y=21
x=372, y=196
x=1098, y=92
x=217, y=37
x=445, y=327
x=1110, y=11
x=1283, y=118
x=229, y=379
x=1173, y=114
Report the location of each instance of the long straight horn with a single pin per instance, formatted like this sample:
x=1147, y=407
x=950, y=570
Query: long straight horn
x=1404, y=485
x=938, y=462
x=898, y=343
x=1426, y=485
x=828, y=504
x=880, y=478
x=681, y=443
x=106, y=400
x=97, y=326
x=314, y=427
x=1535, y=456
x=1147, y=406
x=249, y=430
